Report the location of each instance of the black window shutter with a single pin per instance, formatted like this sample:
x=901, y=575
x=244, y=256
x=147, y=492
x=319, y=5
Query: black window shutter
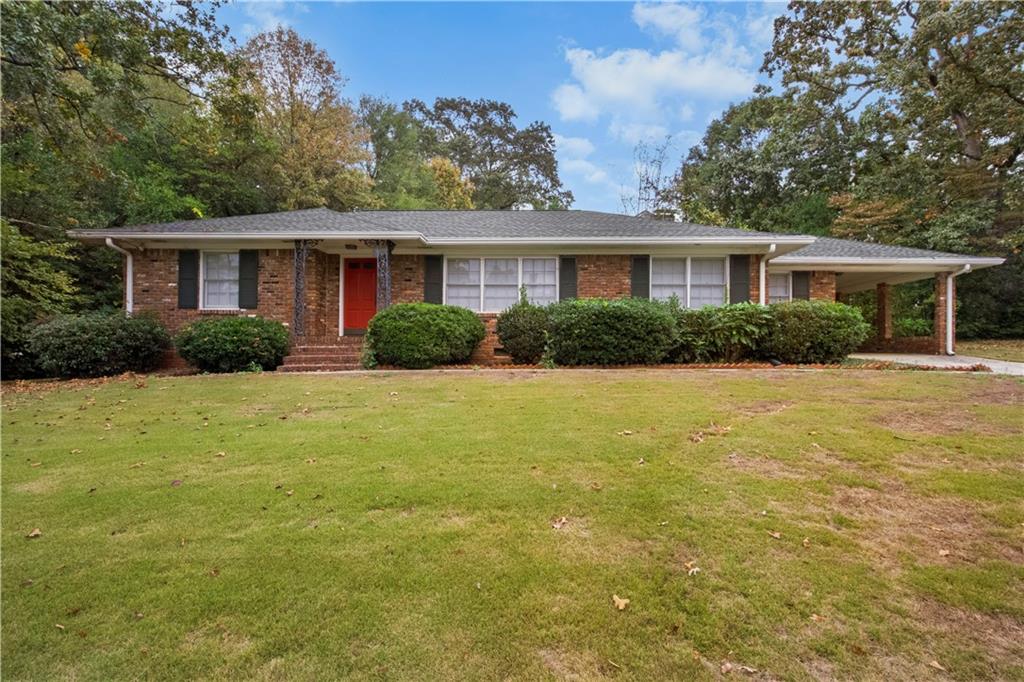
x=739, y=279
x=640, y=277
x=566, y=277
x=248, y=279
x=801, y=285
x=188, y=279
x=433, y=279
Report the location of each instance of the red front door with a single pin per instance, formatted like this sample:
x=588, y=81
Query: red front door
x=360, y=293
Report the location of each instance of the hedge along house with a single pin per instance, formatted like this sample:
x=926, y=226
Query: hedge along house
x=325, y=273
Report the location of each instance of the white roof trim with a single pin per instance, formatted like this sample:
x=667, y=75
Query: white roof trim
x=121, y=234
x=874, y=260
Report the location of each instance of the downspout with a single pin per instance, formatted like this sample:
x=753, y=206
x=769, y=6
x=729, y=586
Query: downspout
x=950, y=302
x=762, y=270
x=129, y=277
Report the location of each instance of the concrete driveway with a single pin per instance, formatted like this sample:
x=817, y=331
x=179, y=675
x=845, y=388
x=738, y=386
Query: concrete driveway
x=997, y=366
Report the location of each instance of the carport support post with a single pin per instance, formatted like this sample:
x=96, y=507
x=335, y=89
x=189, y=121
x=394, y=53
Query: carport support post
x=944, y=329
x=883, y=312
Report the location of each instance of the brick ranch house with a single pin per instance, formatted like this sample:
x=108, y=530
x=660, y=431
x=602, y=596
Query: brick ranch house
x=325, y=273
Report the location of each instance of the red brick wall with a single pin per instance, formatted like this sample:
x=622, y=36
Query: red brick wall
x=156, y=288
x=823, y=286
x=603, y=276
x=755, y=279
x=407, y=279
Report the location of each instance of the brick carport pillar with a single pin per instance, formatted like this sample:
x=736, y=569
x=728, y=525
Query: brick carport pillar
x=883, y=312
x=939, y=327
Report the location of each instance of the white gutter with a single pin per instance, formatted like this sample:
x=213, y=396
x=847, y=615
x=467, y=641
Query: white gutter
x=790, y=259
x=129, y=277
x=762, y=295
x=950, y=300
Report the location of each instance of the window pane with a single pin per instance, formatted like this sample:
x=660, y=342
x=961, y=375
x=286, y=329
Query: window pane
x=778, y=288
x=501, y=283
x=540, y=277
x=464, y=283
x=220, y=280
x=668, y=278
x=708, y=285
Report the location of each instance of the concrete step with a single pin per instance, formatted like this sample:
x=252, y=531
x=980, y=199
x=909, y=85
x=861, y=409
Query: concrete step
x=320, y=367
x=332, y=358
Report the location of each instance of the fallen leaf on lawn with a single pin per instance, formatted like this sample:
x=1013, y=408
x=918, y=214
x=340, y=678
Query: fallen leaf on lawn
x=943, y=552
x=311, y=460
x=807, y=542
x=76, y=451
x=693, y=570
x=816, y=618
x=619, y=602
x=726, y=668
x=393, y=393
x=175, y=483
x=597, y=486
x=58, y=626
x=137, y=615
x=137, y=465
x=663, y=523
x=615, y=664
x=290, y=493
x=35, y=533
x=182, y=543
x=775, y=535
x=625, y=433
x=747, y=669
x=697, y=437
x=559, y=523
x=937, y=666
x=641, y=461
x=221, y=454
x=36, y=464
x=214, y=573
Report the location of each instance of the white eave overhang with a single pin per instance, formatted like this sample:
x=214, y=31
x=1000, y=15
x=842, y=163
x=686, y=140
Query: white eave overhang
x=253, y=236
x=882, y=264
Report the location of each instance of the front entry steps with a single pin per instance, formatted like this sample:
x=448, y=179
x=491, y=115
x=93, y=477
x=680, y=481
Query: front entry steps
x=332, y=354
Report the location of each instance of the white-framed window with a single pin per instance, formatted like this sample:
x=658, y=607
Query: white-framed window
x=219, y=280
x=491, y=285
x=696, y=282
x=780, y=287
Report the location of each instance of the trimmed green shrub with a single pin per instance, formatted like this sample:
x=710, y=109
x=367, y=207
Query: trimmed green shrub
x=422, y=335
x=912, y=326
x=727, y=333
x=629, y=331
x=806, y=332
x=523, y=332
x=98, y=344
x=233, y=344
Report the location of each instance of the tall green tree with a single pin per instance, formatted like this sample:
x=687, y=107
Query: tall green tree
x=507, y=165
x=397, y=162
x=319, y=144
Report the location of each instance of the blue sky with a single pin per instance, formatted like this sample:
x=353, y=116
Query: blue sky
x=603, y=75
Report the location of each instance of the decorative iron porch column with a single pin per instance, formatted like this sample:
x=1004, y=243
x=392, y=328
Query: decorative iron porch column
x=382, y=249
x=301, y=253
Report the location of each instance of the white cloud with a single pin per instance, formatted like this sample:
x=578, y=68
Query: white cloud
x=638, y=80
x=573, y=104
x=266, y=15
x=573, y=147
x=642, y=94
x=683, y=22
x=587, y=169
x=633, y=133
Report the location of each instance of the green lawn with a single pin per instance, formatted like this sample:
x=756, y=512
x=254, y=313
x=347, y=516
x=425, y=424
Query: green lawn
x=997, y=349
x=846, y=524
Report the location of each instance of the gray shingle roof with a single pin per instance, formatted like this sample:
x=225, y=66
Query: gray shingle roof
x=439, y=226
x=444, y=225
x=828, y=247
x=307, y=220
x=540, y=225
